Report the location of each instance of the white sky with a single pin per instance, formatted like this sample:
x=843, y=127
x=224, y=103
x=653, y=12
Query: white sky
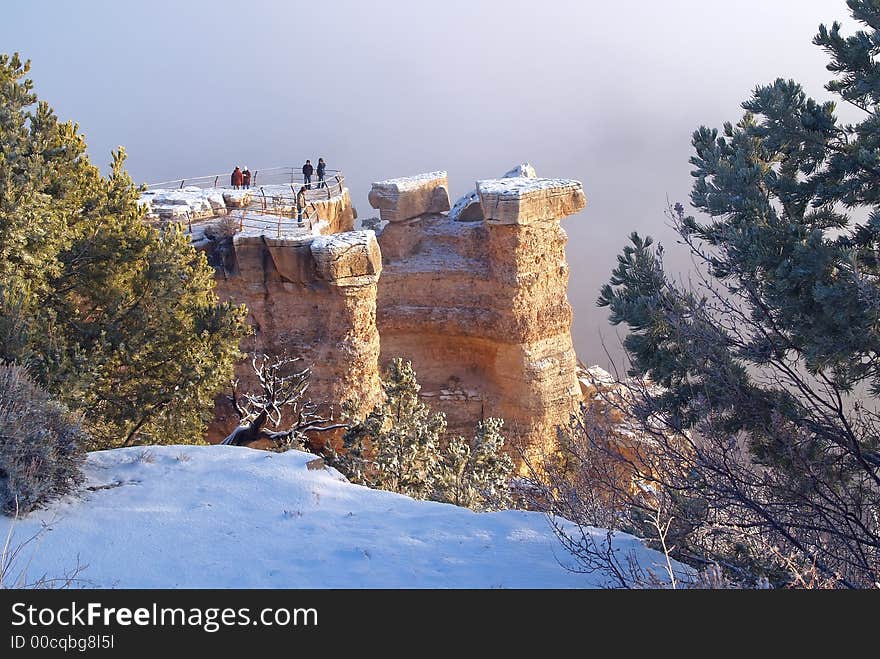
x=608, y=93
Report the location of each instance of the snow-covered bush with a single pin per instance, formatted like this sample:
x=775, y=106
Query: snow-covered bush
x=226, y=227
x=40, y=444
x=476, y=474
x=400, y=447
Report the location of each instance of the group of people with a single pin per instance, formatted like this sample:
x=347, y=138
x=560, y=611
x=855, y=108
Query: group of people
x=308, y=171
x=241, y=178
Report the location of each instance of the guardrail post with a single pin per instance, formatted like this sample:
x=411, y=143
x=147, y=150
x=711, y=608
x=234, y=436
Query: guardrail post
x=263, y=200
x=216, y=178
x=182, y=181
x=255, y=178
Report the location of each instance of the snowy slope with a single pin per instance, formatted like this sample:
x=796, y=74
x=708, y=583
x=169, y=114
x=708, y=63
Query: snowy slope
x=230, y=517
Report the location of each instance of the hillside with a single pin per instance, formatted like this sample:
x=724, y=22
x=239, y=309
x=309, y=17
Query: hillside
x=228, y=517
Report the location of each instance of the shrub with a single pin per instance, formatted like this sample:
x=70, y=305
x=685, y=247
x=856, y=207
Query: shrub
x=226, y=227
x=476, y=474
x=400, y=447
x=40, y=444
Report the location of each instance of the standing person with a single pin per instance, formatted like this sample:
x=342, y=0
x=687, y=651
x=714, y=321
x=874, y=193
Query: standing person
x=307, y=174
x=300, y=203
x=322, y=167
x=246, y=177
x=236, y=178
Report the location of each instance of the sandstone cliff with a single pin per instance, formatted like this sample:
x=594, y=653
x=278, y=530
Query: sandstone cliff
x=479, y=305
x=476, y=298
x=313, y=297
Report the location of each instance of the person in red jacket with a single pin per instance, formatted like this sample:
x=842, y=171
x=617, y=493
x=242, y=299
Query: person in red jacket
x=237, y=178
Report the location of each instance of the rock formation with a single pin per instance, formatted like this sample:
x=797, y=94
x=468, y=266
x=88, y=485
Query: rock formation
x=468, y=209
x=313, y=297
x=475, y=298
x=337, y=212
x=400, y=199
x=192, y=204
x=480, y=307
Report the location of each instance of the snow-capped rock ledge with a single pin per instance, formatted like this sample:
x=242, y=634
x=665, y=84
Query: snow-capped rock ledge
x=467, y=208
x=192, y=203
x=404, y=198
x=523, y=200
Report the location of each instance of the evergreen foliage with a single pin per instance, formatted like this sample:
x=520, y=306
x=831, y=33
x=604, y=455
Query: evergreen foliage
x=399, y=447
x=116, y=318
x=774, y=359
x=476, y=474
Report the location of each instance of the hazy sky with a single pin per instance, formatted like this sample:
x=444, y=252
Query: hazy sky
x=604, y=92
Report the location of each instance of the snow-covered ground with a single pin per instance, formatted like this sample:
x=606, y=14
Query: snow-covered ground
x=231, y=517
x=195, y=203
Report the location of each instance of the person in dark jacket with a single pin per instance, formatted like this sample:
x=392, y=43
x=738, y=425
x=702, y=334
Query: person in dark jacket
x=246, y=177
x=308, y=170
x=322, y=167
x=236, y=178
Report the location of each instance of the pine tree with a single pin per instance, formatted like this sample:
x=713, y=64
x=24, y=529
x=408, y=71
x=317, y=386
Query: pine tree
x=397, y=446
x=476, y=474
x=400, y=447
x=115, y=317
x=775, y=359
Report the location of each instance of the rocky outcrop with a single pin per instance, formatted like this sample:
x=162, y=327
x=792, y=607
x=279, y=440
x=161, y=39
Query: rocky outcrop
x=313, y=297
x=238, y=198
x=468, y=209
x=481, y=307
x=524, y=201
x=348, y=259
x=184, y=204
x=401, y=199
x=476, y=298
x=193, y=204
x=338, y=212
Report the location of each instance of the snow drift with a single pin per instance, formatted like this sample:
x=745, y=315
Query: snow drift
x=230, y=517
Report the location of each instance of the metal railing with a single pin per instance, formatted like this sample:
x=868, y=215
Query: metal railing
x=332, y=185
x=271, y=206
x=302, y=214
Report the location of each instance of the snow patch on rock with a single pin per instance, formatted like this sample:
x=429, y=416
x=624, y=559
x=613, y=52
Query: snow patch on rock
x=467, y=209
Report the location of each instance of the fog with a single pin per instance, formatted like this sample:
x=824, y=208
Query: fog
x=607, y=93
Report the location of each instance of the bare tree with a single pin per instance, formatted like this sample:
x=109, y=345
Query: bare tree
x=699, y=496
x=591, y=496
x=281, y=400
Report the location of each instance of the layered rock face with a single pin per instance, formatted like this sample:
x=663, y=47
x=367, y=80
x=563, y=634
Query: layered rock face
x=476, y=298
x=399, y=199
x=338, y=212
x=479, y=304
x=313, y=297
